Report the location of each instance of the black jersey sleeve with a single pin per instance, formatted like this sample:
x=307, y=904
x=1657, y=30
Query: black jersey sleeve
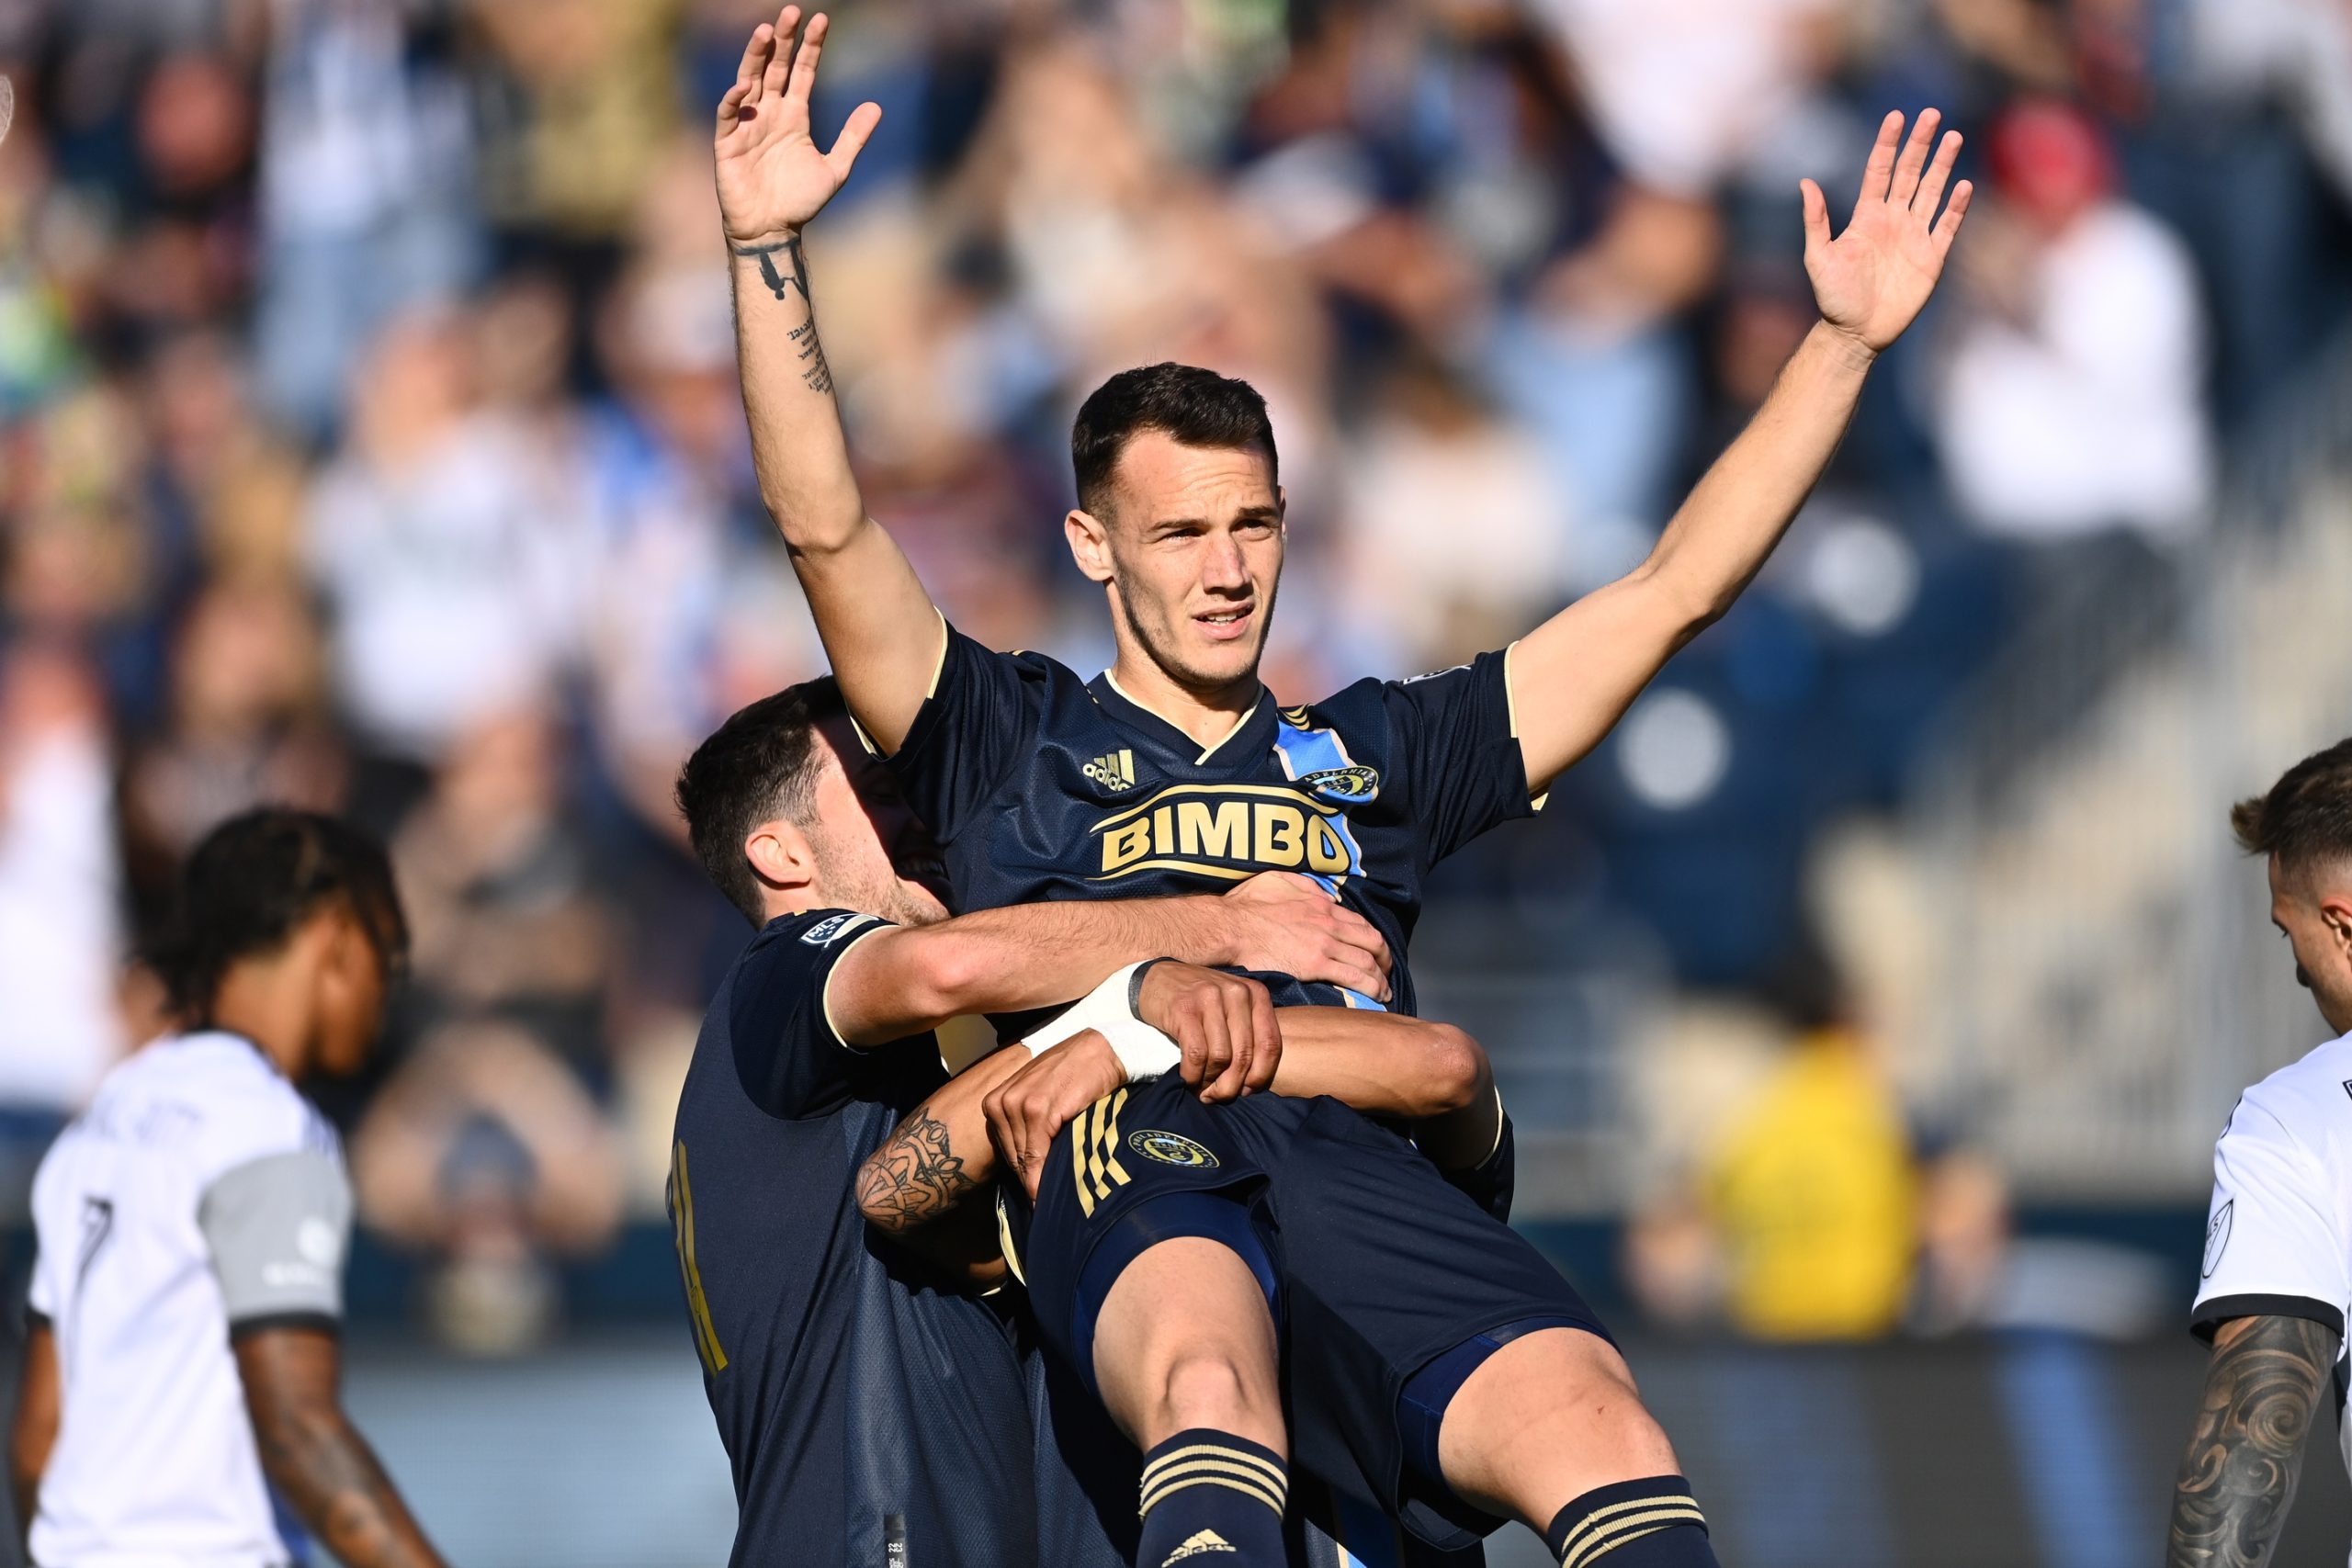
x=974, y=728
x=789, y=1059
x=1459, y=753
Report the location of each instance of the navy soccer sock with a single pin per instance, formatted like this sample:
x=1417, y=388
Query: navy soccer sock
x=1650, y=1523
x=1214, y=1497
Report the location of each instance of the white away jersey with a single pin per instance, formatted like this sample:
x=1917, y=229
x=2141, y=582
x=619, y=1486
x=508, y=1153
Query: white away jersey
x=2279, y=1237
x=199, y=1196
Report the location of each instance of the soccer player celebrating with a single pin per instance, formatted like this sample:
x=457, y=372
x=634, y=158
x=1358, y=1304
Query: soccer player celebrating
x=182, y=1357
x=1174, y=769
x=2278, y=1275
x=869, y=1413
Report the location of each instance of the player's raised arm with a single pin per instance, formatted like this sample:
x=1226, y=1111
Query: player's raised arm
x=878, y=624
x=1573, y=677
x=2238, y=1473
x=314, y=1457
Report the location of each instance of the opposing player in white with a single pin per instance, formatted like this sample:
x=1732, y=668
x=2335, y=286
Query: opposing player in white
x=2277, y=1272
x=181, y=1359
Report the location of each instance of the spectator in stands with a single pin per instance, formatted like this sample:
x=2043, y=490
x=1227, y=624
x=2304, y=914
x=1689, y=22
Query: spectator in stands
x=244, y=724
x=2073, y=401
x=60, y=942
x=488, y=1148
x=456, y=593
x=1799, y=1219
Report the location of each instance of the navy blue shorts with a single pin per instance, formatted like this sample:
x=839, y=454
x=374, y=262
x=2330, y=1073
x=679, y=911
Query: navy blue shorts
x=1375, y=1266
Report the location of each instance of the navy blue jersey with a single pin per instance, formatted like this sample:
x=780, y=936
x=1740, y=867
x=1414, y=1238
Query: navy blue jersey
x=870, y=1419
x=1041, y=785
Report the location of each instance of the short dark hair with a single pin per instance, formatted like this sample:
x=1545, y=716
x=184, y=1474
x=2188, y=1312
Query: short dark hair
x=252, y=881
x=2306, y=819
x=1184, y=402
x=762, y=763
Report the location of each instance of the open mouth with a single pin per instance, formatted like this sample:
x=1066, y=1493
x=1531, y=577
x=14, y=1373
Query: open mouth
x=1224, y=625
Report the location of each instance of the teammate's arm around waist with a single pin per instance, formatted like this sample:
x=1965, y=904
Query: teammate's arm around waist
x=1381, y=1063
x=906, y=980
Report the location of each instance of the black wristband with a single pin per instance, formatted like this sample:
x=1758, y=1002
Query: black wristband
x=1134, y=984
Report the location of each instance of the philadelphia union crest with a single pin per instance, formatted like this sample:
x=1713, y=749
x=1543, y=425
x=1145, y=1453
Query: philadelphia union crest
x=1170, y=1148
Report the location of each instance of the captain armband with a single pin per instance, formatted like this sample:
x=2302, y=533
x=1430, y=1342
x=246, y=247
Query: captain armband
x=1108, y=1011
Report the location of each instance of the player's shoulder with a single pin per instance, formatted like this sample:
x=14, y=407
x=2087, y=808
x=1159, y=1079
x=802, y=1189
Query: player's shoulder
x=214, y=1096
x=2308, y=1099
x=789, y=955
x=1026, y=663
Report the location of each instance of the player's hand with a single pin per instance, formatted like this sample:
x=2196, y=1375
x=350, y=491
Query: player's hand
x=1223, y=1023
x=1872, y=280
x=772, y=178
x=1290, y=926
x=1029, y=1109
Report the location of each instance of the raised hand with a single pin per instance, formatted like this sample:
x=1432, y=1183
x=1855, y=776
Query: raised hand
x=1872, y=280
x=772, y=178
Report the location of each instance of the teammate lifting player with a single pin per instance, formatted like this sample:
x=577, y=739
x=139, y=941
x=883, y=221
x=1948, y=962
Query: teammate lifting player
x=1174, y=769
x=867, y=1411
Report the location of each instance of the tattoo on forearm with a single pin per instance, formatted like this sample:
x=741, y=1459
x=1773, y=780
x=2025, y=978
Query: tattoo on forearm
x=333, y=1481
x=778, y=284
x=2238, y=1475
x=914, y=1177
x=815, y=373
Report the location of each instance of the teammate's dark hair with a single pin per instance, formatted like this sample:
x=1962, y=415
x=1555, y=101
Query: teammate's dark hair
x=252, y=881
x=1184, y=402
x=2306, y=819
x=762, y=763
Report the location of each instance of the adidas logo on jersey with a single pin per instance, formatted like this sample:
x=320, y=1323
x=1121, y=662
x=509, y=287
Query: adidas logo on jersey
x=1114, y=769
x=1206, y=1541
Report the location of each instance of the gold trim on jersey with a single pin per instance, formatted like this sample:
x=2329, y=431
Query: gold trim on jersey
x=1111, y=679
x=1004, y=1238
x=682, y=1219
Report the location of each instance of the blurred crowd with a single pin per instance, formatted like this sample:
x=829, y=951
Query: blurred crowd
x=371, y=442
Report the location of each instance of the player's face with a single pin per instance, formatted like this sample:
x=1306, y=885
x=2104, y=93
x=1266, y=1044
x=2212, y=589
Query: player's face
x=1195, y=542
x=873, y=854
x=2318, y=926
x=354, y=983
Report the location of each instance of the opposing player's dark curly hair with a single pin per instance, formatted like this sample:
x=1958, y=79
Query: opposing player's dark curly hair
x=252, y=881
x=2307, y=816
x=761, y=765
x=1184, y=402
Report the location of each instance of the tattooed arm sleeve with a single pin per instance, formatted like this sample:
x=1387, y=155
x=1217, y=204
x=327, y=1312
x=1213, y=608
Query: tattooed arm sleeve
x=2238, y=1475
x=316, y=1460
x=916, y=1187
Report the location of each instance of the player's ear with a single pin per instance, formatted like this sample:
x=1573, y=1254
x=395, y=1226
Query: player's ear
x=781, y=855
x=1090, y=544
x=2335, y=914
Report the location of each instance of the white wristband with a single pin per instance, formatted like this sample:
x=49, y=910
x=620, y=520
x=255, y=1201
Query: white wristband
x=1142, y=1050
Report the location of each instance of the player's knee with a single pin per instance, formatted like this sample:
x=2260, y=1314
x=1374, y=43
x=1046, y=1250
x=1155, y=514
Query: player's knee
x=1215, y=1385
